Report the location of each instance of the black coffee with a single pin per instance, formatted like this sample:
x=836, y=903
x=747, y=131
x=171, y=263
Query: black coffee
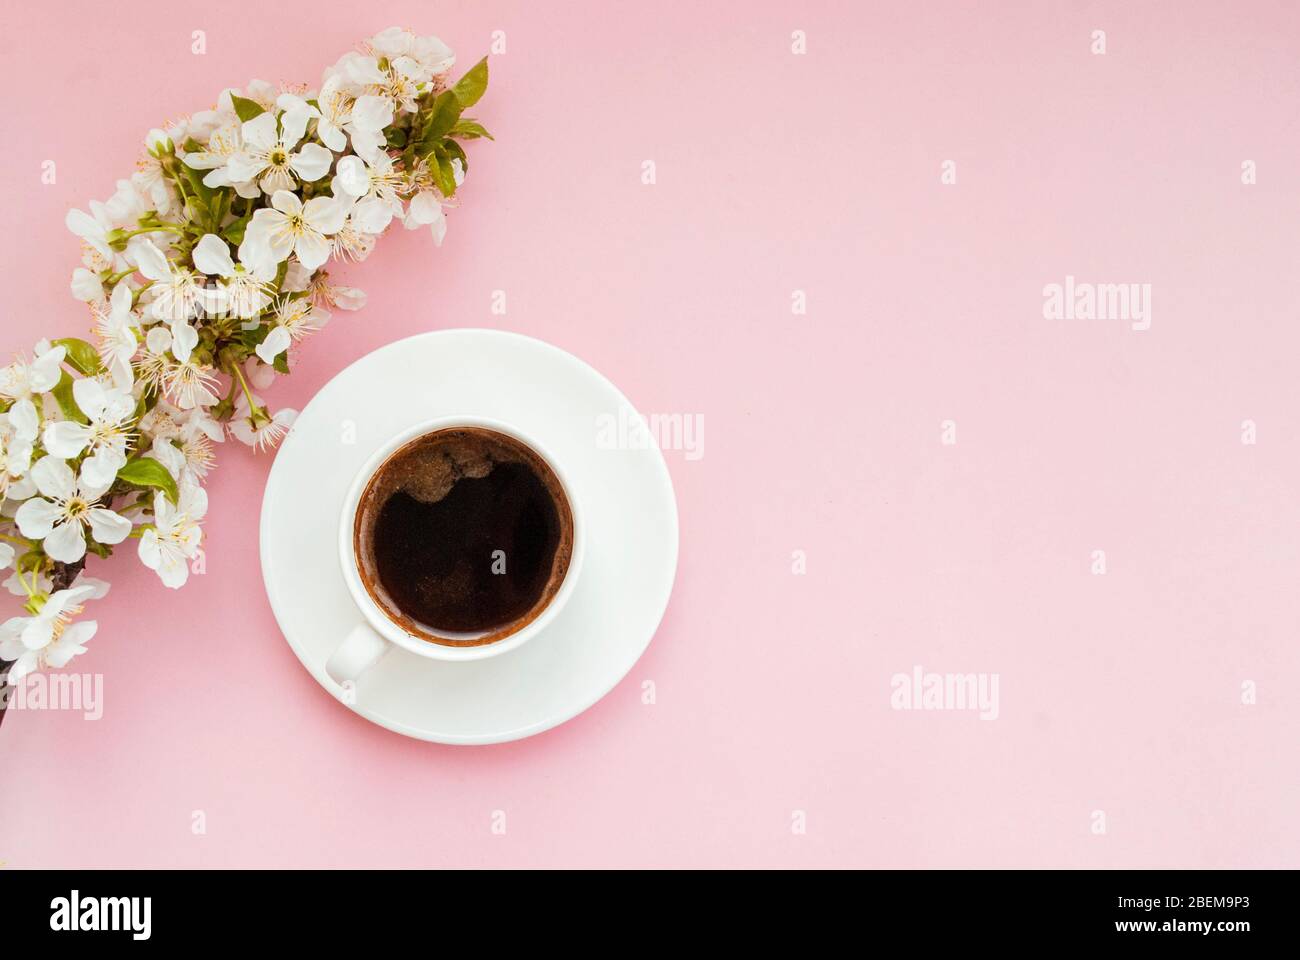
x=466, y=530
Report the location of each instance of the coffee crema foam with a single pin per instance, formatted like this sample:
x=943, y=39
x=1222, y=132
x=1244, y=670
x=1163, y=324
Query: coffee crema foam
x=463, y=536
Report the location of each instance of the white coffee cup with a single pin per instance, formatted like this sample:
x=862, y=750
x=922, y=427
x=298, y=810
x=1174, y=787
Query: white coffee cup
x=375, y=633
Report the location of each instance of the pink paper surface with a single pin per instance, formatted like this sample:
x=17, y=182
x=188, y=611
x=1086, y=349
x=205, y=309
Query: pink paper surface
x=775, y=172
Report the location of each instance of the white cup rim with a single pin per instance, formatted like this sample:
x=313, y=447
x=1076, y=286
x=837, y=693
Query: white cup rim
x=375, y=615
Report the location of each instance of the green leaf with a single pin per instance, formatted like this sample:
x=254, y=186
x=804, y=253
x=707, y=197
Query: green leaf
x=444, y=172
x=442, y=116
x=195, y=179
x=246, y=109
x=235, y=232
x=63, y=394
x=470, y=130
x=396, y=137
x=218, y=206
x=281, y=364
x=457, y=152
x=473, y=85
x=148, y=472
x=196, y=211
x=81, y=355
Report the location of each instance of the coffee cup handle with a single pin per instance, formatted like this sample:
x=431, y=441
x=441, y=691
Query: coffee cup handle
x=360, y=650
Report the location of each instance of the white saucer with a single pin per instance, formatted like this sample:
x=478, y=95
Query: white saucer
x=626, y=500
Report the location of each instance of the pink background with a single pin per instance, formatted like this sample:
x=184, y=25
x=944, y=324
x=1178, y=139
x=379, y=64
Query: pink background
x=776, y=172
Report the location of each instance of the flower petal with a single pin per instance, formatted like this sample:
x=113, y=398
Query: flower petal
x=21, y=667
x=212, y=256
x=149, y=551
x=100, y=471
x=86, y=286
x=44, y=372
x=67, y=438
x=286, y=201
x=71, y=643
x=54, y=478
x=260, y=132
x=25, y=420
x=66, y=543
x=312, y=250
x=371, y=113
x=276, y=342
x=353, y=176
x=331, y=136
x=91, y=397
x=311, y=162
x=184, y=339
x=36, y=518
x=174, y=571
x=372, y=215
x=327, y=214
x=108, y=527
x=242, y=167
x=39, y=632
x=149, y=259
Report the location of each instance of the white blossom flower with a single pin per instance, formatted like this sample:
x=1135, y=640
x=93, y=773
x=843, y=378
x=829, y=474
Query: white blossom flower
x=245, y=290
x=259, y=91
x=6, y=555
x=18, y=431
x=21, y=381
x=374, y=184
x=66, y=507
x=183, y=440
x=86, y=285
x=203, y=123
x=342, y=114
x=322, y=290
x=125, y=207
x=110, y=412
x=293, y=320
x=399, y=84
x=174, y=539
x=432, y=55
x=268, y=153
x=149, y=177
x=335, y=113
x=116, y=324
x=189, y=384
x=268, y=432
x=224, y=143
x=155, y=360
x=290, y=226
x=92, y=228
x=187, y=457
x=426, y=208
x=176, y=295
x=50, y=638
x=351, y=242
